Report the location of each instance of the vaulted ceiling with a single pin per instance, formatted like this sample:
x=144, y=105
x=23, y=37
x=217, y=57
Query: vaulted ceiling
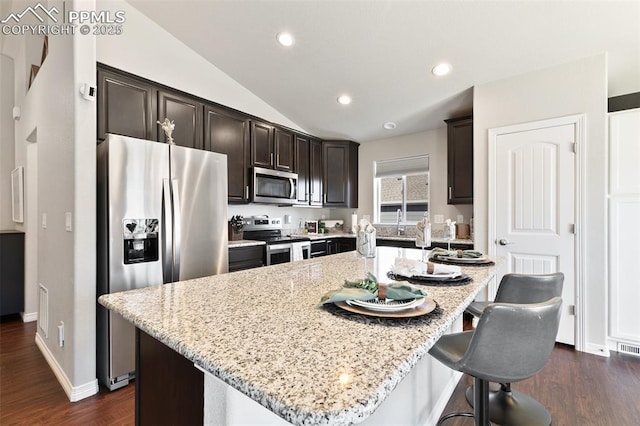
x=382, y=52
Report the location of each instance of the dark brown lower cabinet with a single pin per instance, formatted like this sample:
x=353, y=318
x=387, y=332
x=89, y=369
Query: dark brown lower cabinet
x=411, y=244
x=169, y=389
x=11, y=272
x=249, y=257
x=340, y=245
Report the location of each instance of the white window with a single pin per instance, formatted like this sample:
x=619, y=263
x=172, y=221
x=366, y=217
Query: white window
x=401, y=189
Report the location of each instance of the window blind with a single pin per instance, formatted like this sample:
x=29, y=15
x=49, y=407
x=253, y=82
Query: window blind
x=401, y=166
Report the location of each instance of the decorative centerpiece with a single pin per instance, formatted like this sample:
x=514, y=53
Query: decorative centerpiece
x=236, y=225
x=168, y=126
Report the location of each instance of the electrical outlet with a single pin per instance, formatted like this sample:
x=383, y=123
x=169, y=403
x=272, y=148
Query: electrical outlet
x=61, y=334
x=44, y=220
x=438, y=218
x=460, y=219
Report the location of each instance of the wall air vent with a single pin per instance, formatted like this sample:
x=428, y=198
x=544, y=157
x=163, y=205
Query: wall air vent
x=629, y=349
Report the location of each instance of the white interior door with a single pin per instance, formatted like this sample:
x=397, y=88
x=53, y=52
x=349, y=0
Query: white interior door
x=534, y=213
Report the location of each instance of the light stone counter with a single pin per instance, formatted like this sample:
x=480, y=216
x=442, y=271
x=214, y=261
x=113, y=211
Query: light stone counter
x=245, y=243
x=335, y=234
x=262, y=332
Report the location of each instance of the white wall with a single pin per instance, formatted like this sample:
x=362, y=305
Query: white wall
x=578, y=87
x=55, y=141
x=433, y=143
x=7, y=151
x=147, y=50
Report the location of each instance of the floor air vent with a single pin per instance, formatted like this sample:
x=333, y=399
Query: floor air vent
x=629, y=349
x=43, y=311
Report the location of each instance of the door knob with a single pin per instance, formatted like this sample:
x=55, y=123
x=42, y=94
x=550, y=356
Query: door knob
x=504, y=242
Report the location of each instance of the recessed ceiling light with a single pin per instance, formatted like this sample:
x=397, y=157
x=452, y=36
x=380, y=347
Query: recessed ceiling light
x=344, y=99
x=441, y=69
x=285, y=39
x=389, y=125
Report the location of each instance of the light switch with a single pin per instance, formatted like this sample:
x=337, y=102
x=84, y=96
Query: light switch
x=44, y=220
x=460, y=219
x=67, y=221
x=438, y=218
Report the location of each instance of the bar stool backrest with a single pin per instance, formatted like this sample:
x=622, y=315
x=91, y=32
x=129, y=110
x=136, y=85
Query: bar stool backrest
x=512, y=341
x=524, y=288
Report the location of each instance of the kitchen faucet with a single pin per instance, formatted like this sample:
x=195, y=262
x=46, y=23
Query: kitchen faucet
x=401, y=229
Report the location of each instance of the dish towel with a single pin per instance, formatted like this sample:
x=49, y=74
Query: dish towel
x=414, y=268
x=423, y=233
x=296, y=252
x=468, y=254
x=365, y=238
x=400, y=290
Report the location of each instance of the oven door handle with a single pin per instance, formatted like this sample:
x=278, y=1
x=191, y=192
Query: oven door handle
x=278, y=247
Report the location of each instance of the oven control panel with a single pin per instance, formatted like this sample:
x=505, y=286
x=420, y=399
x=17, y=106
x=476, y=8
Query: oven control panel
x=256, y=223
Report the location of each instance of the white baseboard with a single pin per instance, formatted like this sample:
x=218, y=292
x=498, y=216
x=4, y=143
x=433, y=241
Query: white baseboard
x=74, y=393
x=29, y=316
x=445, y=395
x=594, y=349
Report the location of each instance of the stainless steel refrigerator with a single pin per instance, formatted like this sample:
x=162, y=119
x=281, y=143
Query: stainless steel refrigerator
x=162, y=217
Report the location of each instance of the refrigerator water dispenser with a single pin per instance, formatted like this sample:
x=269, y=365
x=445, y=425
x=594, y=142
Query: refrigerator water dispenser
x=140, y=240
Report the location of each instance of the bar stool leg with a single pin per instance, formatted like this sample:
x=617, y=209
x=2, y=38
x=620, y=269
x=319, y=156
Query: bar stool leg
x=480, y=402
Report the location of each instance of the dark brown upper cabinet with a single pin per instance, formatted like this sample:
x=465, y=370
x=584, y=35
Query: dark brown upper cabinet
x=315, y=173
x=262, y=144
x=284, y=150
x=227, y=132
x=126, y=106
x=302, y=168
x=272, y=147
x=186, y=113
x=460, y=160
x=340, y=182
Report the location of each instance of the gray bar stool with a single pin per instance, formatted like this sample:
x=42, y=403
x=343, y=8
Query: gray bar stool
x=507, y=406
x=512, y=342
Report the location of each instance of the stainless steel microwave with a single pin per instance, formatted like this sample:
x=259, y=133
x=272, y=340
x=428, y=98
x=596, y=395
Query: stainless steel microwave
x=274, y=186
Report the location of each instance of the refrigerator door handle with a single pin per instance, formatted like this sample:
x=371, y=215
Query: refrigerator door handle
x=176, y=229
x=167, y=225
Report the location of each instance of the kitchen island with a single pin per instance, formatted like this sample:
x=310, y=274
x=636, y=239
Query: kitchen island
x=265, y=346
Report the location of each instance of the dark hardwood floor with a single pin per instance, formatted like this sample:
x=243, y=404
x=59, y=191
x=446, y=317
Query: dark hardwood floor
x=31, y=395
x=577, y=388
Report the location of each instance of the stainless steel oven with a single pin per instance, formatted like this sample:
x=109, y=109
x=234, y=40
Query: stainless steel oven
x=280, y=248
x=274, y=186
x=284, y=252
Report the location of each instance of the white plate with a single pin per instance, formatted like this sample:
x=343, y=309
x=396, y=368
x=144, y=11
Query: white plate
x=464, y=259
x=438, y=276
x=388, y=305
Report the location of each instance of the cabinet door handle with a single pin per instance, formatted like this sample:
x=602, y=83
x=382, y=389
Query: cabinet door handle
x=325, y=198
x=277, y=160
x=246, y=192
x=449, y=192
x=271, y=158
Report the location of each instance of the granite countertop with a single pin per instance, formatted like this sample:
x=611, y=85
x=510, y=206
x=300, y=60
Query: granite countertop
x=245, y=243
x=262, y=332
x=334, y=234
x=325, y=236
